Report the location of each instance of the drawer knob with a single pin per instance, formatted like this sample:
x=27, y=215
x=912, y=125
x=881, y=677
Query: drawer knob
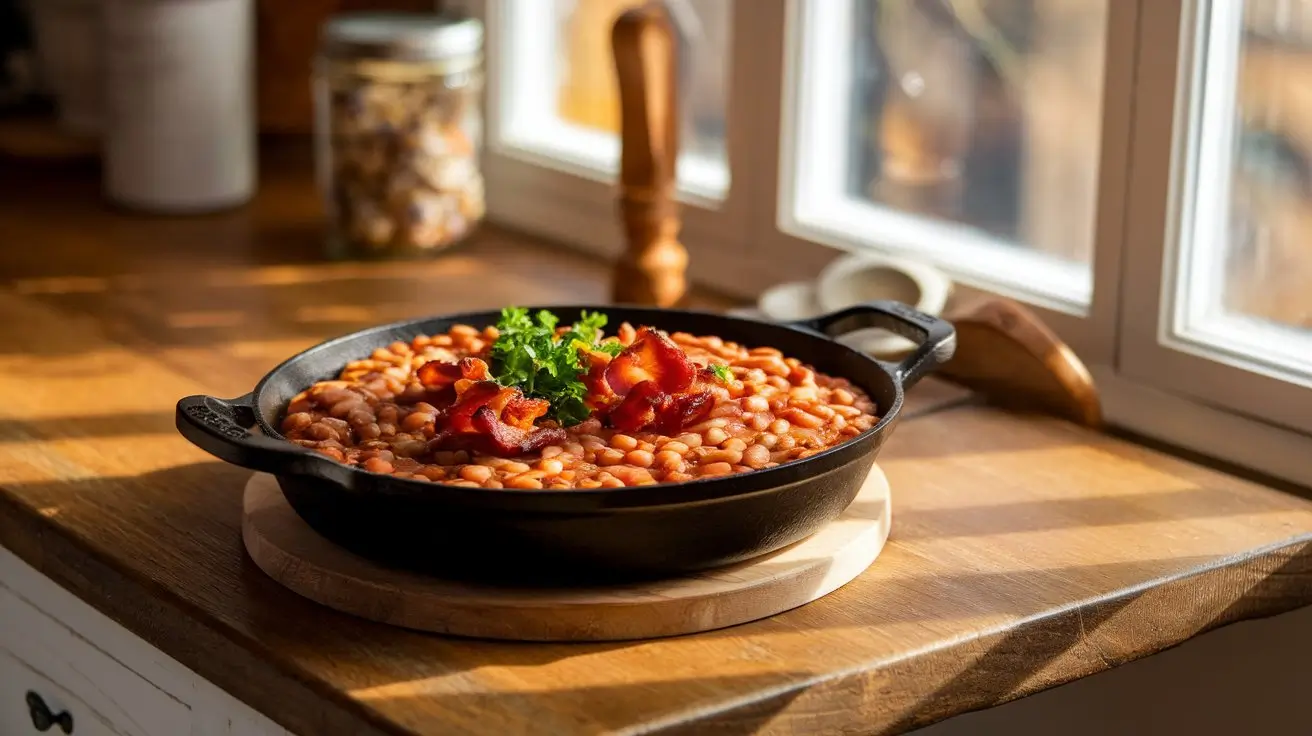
x=43, y=719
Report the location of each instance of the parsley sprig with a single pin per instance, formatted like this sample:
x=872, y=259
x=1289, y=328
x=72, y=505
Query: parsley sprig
x=530, y=356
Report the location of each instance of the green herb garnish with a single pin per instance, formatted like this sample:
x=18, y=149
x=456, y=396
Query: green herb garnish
x=722, y=372
x=530, y=356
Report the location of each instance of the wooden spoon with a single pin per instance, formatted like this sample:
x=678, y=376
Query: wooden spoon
x=652, y=270
x=1006, y=353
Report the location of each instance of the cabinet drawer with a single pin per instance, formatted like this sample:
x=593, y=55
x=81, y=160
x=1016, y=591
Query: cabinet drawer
x=80, y=676
x=17, y=679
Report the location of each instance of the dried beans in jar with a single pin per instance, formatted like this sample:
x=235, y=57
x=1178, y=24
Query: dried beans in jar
x=398, y=131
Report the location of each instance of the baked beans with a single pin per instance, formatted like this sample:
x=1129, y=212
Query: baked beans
x=775, y=410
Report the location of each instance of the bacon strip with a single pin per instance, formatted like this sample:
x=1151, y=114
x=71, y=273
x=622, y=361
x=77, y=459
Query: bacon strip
x=494, y=420
x=600, y=396
x=502, y=439
x=436, y=374
x=651, y=357
x=521, y=412
x=640, y=407
x=684, y=410
x=651, y=384
x=459, y=417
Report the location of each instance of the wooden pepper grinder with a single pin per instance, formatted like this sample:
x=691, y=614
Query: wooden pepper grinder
x=652, y=269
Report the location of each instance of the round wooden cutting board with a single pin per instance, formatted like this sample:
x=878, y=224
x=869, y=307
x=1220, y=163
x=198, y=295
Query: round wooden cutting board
x=289, y=551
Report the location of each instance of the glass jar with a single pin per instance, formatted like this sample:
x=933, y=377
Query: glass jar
x=398, y=132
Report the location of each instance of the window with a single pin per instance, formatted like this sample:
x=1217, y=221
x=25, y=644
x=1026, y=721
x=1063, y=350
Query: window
x=1219, y=190
x=966, y=133
x=559, y=95
x=1138, y=171
x=1244, y=279
x=553, y=119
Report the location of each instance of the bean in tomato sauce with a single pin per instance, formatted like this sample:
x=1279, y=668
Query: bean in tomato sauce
x=768, y=409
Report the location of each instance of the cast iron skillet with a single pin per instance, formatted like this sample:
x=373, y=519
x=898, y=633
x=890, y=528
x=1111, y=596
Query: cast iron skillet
x=575, y=534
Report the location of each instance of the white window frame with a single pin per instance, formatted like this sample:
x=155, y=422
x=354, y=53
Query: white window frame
x=571, y=199
x=1090, y=330
x=1150, y=383
x=1168, y=160
x=818, y=207
x=526, y=51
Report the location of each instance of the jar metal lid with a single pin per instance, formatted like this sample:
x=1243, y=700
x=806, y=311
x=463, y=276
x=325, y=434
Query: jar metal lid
x=401, y=36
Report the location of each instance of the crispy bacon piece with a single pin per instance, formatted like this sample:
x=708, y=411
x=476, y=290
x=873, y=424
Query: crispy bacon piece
x=521, y=412
x=640, y=407
x=497, y=438
x=438, y=375
x=475, y=369
x=651, y=384
x=494, y=420
x=489, y=435
x=504, y=440
x=599, y=396
x=651, y=357
x=684, y=410
x=459, y=418
x=647, y=407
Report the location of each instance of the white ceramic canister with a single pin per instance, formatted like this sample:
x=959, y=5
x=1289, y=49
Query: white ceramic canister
x=180, y=123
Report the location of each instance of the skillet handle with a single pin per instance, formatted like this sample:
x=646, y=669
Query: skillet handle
x=936, y=338
x=222, y=428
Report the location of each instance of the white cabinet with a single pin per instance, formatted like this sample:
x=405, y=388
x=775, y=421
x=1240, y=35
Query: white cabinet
x=77, y=661
x=94, y=681
x=22, y=683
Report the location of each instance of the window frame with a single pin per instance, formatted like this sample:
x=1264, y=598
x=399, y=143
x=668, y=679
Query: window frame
x=1091, y=334
x=1161, y=222
x=589, y=154
x=818, y=207
x=569, y=202
x=751, y=241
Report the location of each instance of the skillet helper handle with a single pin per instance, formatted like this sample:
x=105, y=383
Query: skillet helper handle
x=936, y=339
x=221, y=427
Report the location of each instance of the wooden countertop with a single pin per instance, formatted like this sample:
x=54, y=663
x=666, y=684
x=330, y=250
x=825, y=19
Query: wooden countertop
x=1025, y=551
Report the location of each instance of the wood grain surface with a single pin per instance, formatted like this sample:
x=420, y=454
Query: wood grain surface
x=1027, y=551
x=289, y=551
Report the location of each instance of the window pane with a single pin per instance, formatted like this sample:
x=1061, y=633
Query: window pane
x=1246, y=264
x=577, y=118
x=970, y=129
